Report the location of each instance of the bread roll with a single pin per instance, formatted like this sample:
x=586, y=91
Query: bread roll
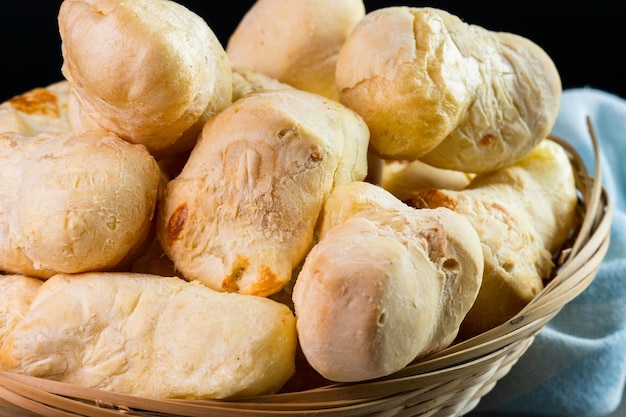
x=295, y=41
x=40, y=110
x=455, y=95
x=153, y=337
x=247, y=81
x=523, y=215
x=401, y=177
x=241, y=215
x=16, y=294
x=384, y=285
x=151, y=71
x=74, y=202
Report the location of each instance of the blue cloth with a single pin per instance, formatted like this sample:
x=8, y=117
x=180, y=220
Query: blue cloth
x=577, y=364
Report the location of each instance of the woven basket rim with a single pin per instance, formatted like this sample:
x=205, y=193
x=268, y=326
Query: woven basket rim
x=461, y=373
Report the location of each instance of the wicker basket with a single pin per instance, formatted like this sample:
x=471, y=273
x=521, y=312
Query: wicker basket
x=449, y=383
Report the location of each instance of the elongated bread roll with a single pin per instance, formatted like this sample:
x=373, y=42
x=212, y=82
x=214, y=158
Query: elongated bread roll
x=151, y=71
x=523, y=215
x=384, y=285
x=296, y=42
x=241, y=215
x=74, y=202
x=455, y=95
x=152, y=336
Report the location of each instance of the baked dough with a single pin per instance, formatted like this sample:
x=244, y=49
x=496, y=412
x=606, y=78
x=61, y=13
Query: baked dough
x=241, y=215
x=151, y=71
x=384, y=285
x=455, y=95
x=40, y=110
x=523, y=215
x=246, y=80
x=401, y=177
x=74, y=202
x=153, y=337
x=16, y=294
x=296, y=42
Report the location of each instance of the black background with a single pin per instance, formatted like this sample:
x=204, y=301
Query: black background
x=586, y=41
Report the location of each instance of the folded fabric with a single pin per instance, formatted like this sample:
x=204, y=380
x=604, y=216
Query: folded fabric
x=576, y=365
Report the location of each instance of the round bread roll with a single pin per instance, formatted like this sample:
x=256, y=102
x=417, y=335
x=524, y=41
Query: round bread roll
x=295, y=41
x=74, y=202
x=454, y=95
x=151, y=71
x=241, y=214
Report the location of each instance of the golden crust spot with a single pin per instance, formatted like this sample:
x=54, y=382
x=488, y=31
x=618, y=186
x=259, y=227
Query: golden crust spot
x=230, y=283
x=430, y=198
x=487, y=140
x=267, y=282
x=176, y=224
x=316, y=154
x=37, y=101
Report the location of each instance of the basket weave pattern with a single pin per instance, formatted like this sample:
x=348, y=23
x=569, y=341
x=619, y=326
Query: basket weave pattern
x=448, y=383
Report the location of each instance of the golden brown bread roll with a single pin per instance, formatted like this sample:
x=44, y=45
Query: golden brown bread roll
x=151, y=71
x=16, y=294
x=455, y=95
x=296, y=42
x=523, y=215
x=241, y=214
x=152, y=336
x=384, y=285
x=40, y=110
x=74, y=202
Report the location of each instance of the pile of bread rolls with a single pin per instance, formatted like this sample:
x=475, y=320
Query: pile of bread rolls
x=335, y=191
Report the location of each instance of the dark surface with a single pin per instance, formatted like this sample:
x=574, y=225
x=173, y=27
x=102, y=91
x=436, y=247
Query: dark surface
x=585, y=41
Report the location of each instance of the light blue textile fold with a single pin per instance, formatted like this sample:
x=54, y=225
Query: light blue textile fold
x=577, y=364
